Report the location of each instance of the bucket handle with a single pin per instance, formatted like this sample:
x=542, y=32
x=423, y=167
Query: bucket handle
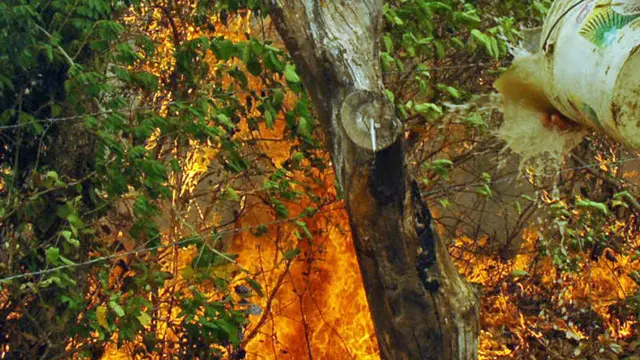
x=546, y=40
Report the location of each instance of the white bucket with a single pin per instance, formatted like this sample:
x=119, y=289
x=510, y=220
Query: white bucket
x=591, y=64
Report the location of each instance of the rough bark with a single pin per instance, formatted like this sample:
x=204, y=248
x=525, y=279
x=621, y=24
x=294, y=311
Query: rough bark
x=421, y=307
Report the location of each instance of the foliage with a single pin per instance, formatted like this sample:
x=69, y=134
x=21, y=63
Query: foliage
x=98, y=131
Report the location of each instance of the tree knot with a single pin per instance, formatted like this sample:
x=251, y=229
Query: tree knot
x=369, y=120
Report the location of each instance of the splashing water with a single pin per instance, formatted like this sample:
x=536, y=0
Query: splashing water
x=525, y=106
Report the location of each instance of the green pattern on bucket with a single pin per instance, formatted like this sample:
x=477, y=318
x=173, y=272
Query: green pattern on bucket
x=603, y=24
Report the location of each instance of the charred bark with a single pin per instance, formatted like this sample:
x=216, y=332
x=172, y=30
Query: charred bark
x=421, y=307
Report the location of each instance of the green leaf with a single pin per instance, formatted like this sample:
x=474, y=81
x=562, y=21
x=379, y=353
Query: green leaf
x=528, y=198
x=50, y=179
x=305, y=229
x=272, y=62
x=290, y=74
x=388, y=43
x=224, y=120
x=68, y=236
x=475, y=120
x=75, y=223
x=230, y=329
x=145, y=80
x=440, y=49
x=428, y=108
x=231, y=194
x=290, y=254
x=518, y=207
x=255, y=286
x=450, y=90
x=66, y=261
x=440, y=167
x=53, y=255
x=305, y=127
x=280, y=208
x=116, y=308
x=588, y=204
x=144, y=318
x=485, y=190
x=175, y=165
x=223, y=49
x=390, y=95
x=269, y=118
x=519, y=273
x=49, y=51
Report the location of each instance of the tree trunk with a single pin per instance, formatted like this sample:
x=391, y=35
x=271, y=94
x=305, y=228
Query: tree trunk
x=421, y=307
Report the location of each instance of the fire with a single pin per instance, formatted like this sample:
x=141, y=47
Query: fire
x=314, y=304
x=526, y=299
x=317, y=305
